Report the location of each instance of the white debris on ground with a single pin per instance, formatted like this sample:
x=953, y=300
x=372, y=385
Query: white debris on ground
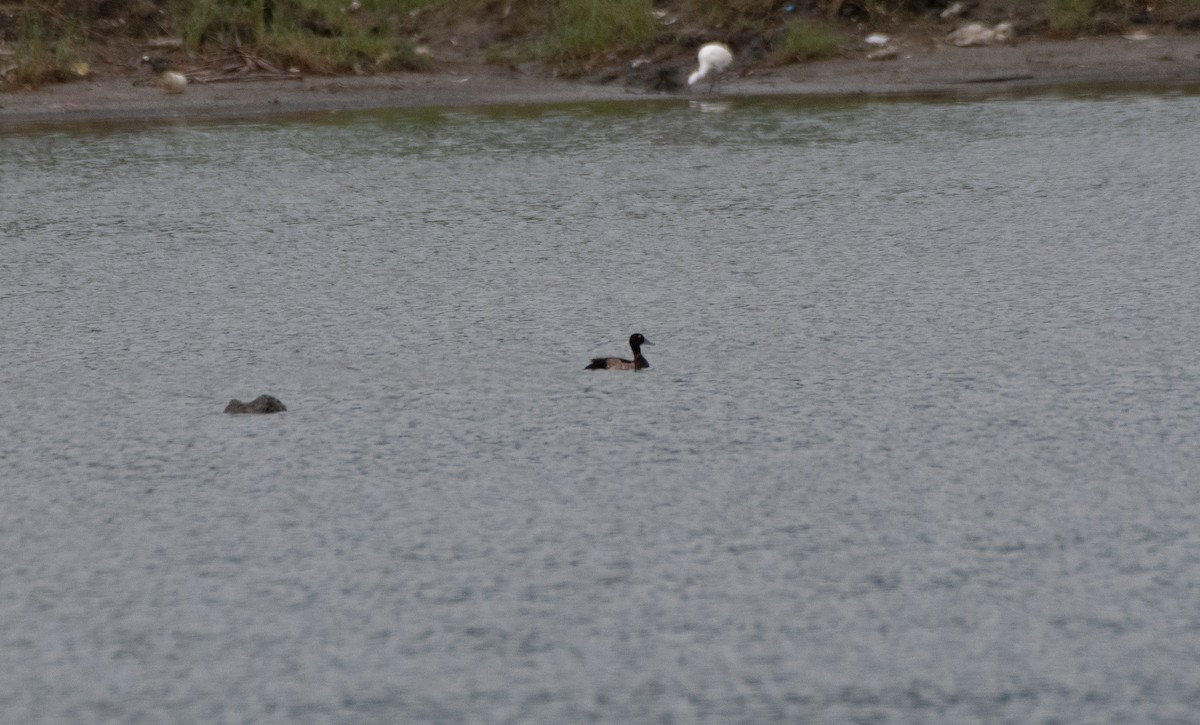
x=953, y=11
x=884, y=50
x=979, y=34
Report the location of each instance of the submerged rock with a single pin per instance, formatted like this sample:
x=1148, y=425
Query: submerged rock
x=261, y=404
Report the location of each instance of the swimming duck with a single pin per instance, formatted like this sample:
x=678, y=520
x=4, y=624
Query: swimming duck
x=714, y=58
x=619, y=363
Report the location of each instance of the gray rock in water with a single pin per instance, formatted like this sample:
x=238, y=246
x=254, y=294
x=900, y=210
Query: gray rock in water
x=261, y=404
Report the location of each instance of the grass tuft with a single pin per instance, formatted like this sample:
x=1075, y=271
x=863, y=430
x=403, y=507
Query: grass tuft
x=808, y=40
x=332, y=55
x=49, y=48
x=1070, y=15
x=733, y=14
x=1183, y=13
x=319, y=36
x=582, y=32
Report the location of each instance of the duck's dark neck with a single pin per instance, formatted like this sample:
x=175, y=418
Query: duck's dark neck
x=639, y=362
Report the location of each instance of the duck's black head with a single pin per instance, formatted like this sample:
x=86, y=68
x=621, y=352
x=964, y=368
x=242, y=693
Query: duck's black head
x=636, y=340
x=158, y=65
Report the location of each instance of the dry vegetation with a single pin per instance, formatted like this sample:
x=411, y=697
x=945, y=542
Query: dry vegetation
x=57, y=40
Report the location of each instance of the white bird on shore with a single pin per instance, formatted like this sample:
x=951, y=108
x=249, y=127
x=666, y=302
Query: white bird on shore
x=714, y=58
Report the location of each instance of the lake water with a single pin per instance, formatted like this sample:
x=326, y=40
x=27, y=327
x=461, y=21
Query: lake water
x=920, y=442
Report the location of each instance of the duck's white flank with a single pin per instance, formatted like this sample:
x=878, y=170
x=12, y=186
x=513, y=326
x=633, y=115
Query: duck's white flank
x=172, y=82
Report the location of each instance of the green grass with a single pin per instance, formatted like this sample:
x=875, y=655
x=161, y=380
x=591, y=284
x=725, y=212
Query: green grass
x=1179, y=11
x=362, y=53
x=1070, y=15
x=325, y=36
x=1075, y=16
x=49, y=48
x=216, y=21
x=578, y=33
x=732, y=14
x=809, y=40
x=314, y=35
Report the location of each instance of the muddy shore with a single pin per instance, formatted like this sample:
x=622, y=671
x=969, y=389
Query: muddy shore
x=922, y=66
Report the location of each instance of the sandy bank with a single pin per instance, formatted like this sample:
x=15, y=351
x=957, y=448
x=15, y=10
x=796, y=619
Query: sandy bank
x=922, y=67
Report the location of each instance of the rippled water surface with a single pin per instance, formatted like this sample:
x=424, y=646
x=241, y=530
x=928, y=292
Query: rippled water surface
x=919, y=442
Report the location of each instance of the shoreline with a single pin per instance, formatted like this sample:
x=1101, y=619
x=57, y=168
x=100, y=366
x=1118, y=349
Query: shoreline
x=923, y=67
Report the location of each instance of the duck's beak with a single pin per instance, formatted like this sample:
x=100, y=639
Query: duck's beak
x=646, y=342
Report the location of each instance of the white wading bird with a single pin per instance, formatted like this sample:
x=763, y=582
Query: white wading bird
x=714, y=59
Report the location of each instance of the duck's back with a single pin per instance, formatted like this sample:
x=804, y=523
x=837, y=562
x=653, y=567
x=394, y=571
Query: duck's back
x=618, y=363
x=610, y=363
